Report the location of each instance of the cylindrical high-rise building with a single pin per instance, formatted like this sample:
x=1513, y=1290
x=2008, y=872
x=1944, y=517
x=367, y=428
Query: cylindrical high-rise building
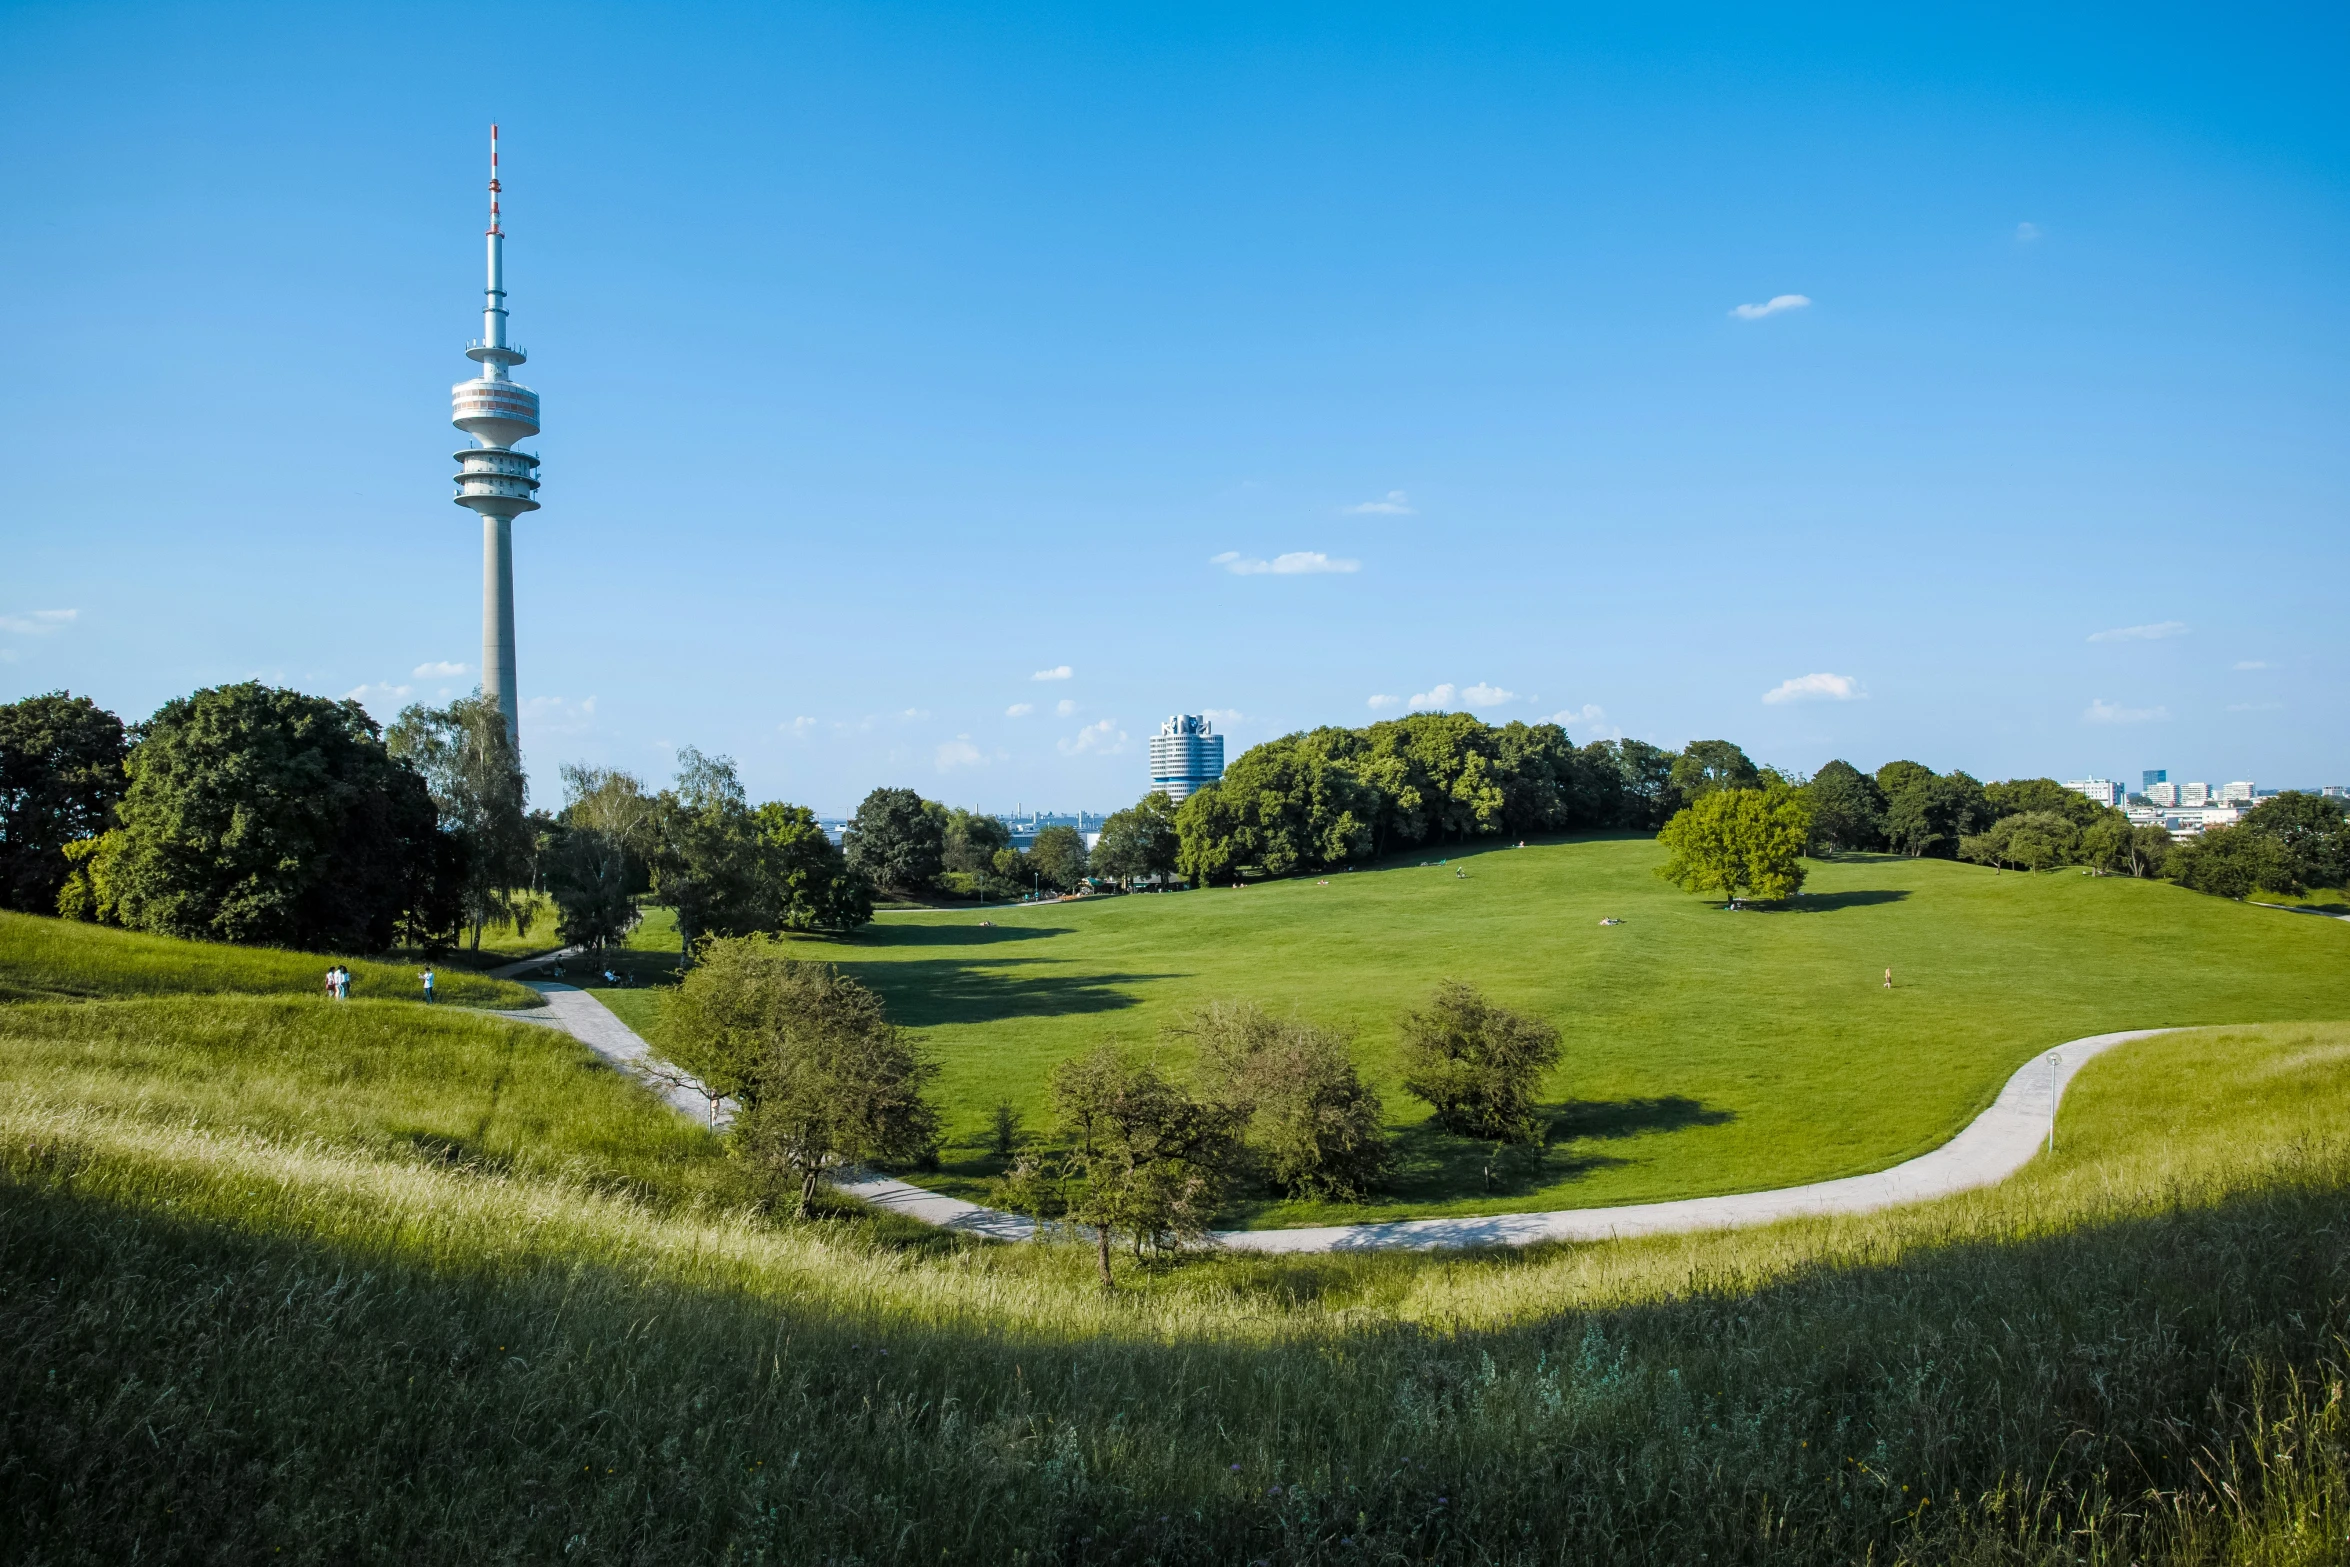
x=493, y=478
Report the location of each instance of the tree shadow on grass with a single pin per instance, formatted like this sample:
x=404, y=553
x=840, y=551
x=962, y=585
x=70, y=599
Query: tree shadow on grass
x=1829, y=902
x=895, y=934
x=928, y=992
x=1580, y=1118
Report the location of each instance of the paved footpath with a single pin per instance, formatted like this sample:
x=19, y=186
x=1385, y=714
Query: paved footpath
x=1996, y=1144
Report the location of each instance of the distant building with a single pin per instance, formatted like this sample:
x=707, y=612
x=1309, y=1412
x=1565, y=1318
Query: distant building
x=2103, y=790
x=2150, y=777
x=2336, y=791
x=1186, y=755
x=2195, y=794
x=2162, y=793
x=2238, y=794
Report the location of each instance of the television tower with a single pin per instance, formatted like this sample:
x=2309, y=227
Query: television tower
x=492, y=477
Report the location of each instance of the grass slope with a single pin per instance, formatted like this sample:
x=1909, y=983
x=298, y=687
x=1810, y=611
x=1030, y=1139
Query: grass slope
x=65, y=959
x=260, y=1319
x=1707, y=1051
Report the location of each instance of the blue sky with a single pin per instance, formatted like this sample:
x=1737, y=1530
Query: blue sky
x=1271, y=361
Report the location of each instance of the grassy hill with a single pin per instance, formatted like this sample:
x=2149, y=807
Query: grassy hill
x=1707, y=1051
x=54, y=959
x=287, y=1281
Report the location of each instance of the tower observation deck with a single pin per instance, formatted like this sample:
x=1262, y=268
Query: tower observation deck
x=493, y=478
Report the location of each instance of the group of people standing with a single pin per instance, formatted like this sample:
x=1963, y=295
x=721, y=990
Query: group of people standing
x=338, y=983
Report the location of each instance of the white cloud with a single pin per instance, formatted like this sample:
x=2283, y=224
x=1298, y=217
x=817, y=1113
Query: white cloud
x=382, y=691
x=1379, y=702
x=2153, y=633
x=1105, y=737
x=1019, y=709
x=2025, y=233
x=1065, y=706
x=39, y=623
x=1771, y=306
x=2249, y=663
x=2100, y=711
x=1057, y=672
x=1396, y=504
x=1220, y=715
x=1483, y=695
x=2254, y=707
x=552, y=715
x=915, y=712
x=441, y=671
x=799, y=728
x=1436, y=697
x=959, y=752
x=1297, y=563
x=1814, y=688
x=1591, y=719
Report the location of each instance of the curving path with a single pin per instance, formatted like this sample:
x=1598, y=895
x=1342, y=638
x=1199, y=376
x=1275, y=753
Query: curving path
x=1993, y=1147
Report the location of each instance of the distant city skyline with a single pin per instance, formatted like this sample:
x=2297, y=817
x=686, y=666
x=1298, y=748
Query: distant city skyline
x=941, y=397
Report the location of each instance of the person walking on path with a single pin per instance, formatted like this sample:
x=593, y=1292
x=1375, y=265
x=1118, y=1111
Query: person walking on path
x=427, y=976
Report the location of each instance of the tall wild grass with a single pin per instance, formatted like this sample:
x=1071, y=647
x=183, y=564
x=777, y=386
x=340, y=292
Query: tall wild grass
x=232, y=1328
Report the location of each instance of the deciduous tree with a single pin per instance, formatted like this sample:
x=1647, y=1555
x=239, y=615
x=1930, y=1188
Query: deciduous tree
x=61, y=772
x=1312, y=1121
x=1139, y=841
x=896, y=842
x=1739, y=842
x=266, y=816
x=1150, y=1160
x=467, y=759
x=1478, y=1065
x=819, y=1074
x=1847, y=809
x=1059, y=855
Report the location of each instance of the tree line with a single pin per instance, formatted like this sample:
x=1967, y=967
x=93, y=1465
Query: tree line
x=246, y=813
x=821, y=1079
x=1327, y=798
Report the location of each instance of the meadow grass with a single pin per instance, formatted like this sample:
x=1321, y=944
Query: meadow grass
x=1707, y=1051
x=247, y=1311
x=55, y=959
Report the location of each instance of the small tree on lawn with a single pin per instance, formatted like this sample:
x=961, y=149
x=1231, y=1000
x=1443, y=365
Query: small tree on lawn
x=1739, y=841
x=1153, y=1161
x=1479, y=1065
x=1311, y=1118
x=820, y=1075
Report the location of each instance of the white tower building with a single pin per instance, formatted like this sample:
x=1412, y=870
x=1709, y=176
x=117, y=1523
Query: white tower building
x=1186, y=755
x=492, y=477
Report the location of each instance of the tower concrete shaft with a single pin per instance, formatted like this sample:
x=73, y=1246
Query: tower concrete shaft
x=493, y=478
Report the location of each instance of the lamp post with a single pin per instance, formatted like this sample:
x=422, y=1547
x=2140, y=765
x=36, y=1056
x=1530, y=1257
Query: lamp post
x=2055, y=1059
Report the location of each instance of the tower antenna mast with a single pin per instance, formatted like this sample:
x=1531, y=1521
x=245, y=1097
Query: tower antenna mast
x=493, y=478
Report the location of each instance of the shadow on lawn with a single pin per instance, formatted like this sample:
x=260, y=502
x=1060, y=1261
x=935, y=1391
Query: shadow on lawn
x=926, y=992
x=895, y=934
x=1829, y=902
x=1579, y=1118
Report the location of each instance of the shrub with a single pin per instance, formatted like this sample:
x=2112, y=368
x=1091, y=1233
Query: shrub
x=821, y=1076
x=1479, y=1065
x=1312, y=1120
x=1154, y=1161
x=2231, y=862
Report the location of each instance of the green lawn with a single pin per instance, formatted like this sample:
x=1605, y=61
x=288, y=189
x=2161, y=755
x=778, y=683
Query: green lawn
x=1708, y=1051
x=44, y=959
